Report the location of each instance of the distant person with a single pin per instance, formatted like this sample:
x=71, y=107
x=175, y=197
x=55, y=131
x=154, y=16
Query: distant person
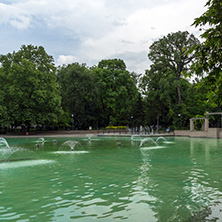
x=167, y=130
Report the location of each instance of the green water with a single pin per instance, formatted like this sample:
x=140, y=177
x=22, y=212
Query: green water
x=174, y=180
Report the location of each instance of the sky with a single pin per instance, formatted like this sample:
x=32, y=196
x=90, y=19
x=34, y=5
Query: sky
x=87, y=31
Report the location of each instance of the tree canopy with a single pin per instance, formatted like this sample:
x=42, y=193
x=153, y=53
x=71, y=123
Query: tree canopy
x=209, y=51
x=29, y=85
x=117, y=91
x=171, y=51
x=169, y=97
x=79, y=92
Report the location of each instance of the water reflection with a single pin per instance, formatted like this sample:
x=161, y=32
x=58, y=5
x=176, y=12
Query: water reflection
x=183, y=180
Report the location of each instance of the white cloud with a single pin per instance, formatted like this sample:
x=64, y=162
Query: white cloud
x=91, y=30
x=141, y=28
x=18, y=18
x=62, y=59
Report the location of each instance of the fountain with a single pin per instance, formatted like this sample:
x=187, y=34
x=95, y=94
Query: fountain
x=118, y=143
x=135, y=138
x=3, y=142
x=40, y=140
x=147, y=139
x=164, y=140
x=5, y=151
x=71, y=146
x=89, y=136
x=8, y=153
x=161, y=138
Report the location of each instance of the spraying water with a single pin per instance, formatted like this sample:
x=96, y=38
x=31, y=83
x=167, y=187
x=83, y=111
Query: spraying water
x=8, y=153
x=3, y=143
x=147, y=139
x=70, y=145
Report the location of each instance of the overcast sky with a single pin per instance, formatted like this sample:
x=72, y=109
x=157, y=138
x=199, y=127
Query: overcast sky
x=87, y=31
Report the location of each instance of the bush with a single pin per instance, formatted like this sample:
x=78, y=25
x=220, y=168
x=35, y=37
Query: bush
x=116, y=127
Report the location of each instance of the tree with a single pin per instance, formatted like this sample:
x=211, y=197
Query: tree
x=197, y=102
x=171, y=51
x=112, y=64
x=79, y=92
x=29, y=82
x=210, y=50
x=117, y=91
x=159, y=88
x=139, y=112
x=3, y=111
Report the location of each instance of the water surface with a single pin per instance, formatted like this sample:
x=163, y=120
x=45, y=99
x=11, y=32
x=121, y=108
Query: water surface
x=113, y=179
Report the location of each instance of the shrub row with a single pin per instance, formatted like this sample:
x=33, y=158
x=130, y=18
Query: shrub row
x=116, y=127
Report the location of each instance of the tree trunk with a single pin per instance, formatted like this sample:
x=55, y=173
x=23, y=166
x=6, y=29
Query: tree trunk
x=178, y=89
x=179, y=95
x=158, y=122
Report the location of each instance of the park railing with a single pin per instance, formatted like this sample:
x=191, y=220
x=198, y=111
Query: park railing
x=133, y=132
x=99, y=131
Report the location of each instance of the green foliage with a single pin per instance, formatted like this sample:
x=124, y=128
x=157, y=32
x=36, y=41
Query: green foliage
x=65, y=121
x=112, y=64
x=30, y=88
x=29, y=82
x=209, y=51
x=80, y=94
x=167, y=93
x=98, y=96
x=117, y=92
x=198, y=122
x=157, y=85
x=138, y=112
x=171, y=52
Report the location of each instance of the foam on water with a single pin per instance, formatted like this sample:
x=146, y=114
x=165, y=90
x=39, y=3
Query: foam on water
x=24, y=163
x=168, y=142
x=152, y=147
x=70, y=152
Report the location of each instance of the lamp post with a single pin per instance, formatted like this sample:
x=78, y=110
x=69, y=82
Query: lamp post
x=72, y=121
x=132, y=123
x=180, y=120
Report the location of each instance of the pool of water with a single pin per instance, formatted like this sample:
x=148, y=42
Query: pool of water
x=113, y=179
